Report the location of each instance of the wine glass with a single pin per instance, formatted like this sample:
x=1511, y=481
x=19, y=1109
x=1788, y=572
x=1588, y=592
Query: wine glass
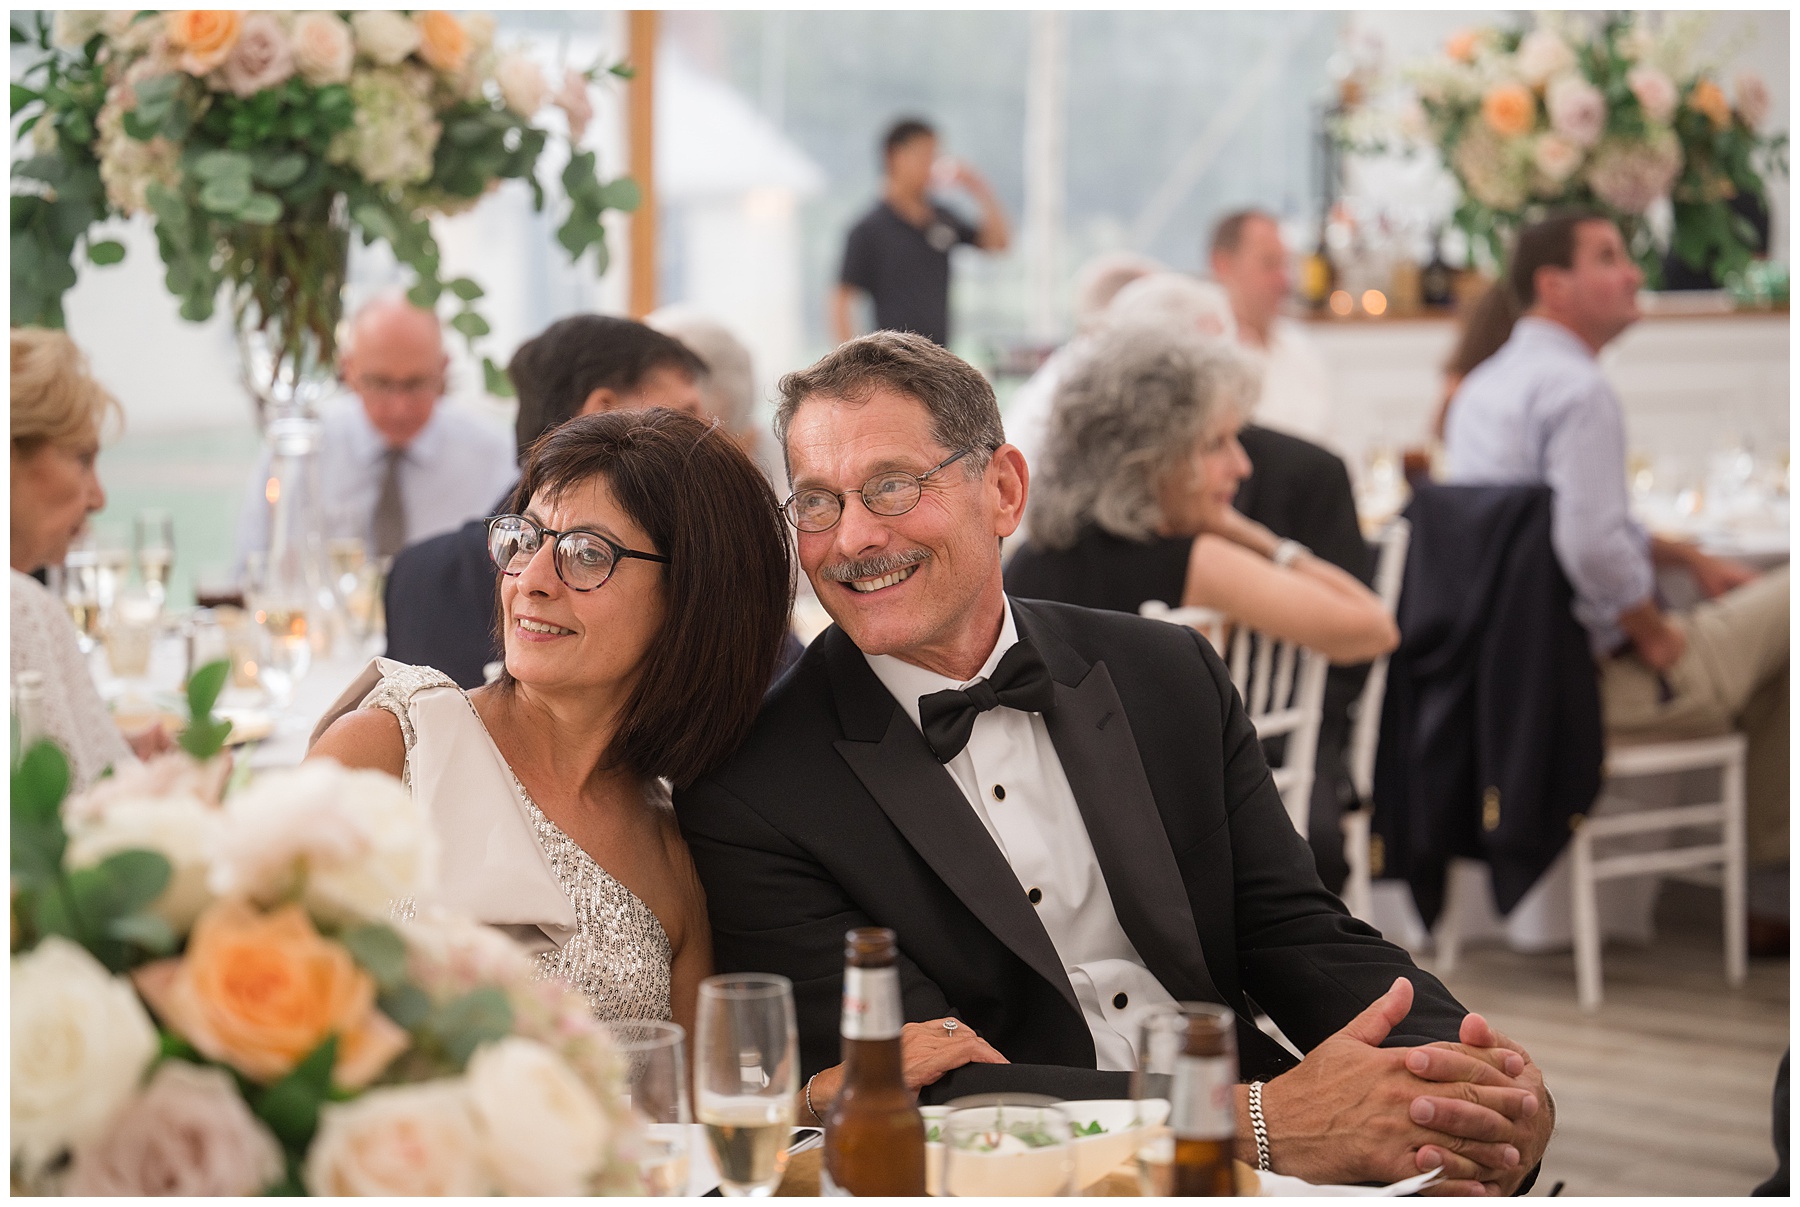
x=285, y=646
x=1008, y=1149
x=1152, y=1089
x=153, y=541
x=656, y=1084
x=748, y=1058
x=80, y=589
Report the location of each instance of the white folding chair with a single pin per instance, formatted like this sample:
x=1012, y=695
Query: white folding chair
x=1283, y=689
x=1365, y=724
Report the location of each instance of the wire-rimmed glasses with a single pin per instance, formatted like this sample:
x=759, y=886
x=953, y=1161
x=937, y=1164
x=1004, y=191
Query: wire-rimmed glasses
x=892, y=493
x=584, y=560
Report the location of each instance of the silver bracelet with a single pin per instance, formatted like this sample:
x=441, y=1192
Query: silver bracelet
x=1259, y=1127
x=809, y=1106
x=1288, y=552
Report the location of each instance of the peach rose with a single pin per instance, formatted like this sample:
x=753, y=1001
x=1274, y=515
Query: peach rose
x=1462, y=44
x=324, y=48
x=1509, y=109
x=259, y=991
x=443, y=42
x=205, y=36
x=1709, y=99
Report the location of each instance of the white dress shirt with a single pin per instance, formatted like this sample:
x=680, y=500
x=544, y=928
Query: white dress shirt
x=452, y=472
x=1014, y=780
x=1296, y=390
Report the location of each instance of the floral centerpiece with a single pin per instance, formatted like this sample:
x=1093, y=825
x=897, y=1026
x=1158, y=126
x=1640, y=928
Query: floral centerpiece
x=1609, y=114
x=212, y=998
x=262, y=142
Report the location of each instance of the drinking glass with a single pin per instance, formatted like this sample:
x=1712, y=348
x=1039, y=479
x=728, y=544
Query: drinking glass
x=657, y=1088
x=748, y=1058
x=1008, y=1149
x=153, y=541
x=285, y=645
x=79, y=586
x=129, y=630
x=1152, y=1088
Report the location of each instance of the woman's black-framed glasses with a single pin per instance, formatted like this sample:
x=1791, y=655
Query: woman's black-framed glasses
x=584, y=560
x=895, y=492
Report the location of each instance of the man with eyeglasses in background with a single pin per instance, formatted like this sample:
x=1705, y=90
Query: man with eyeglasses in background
x=397, y=463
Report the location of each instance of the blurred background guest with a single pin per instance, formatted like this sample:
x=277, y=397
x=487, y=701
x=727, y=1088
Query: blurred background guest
x=57, y=412
x=728, y=391
x=397, y=463
x=899, y=253
x=1143, y=445
x=1250, y=260
x=441, y=597
x=1540, y=411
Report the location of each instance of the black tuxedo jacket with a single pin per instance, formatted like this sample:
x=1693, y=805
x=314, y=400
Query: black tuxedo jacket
x=834, y=814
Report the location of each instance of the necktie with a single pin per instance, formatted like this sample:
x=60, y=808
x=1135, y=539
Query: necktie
x=1021, y=681
x=390, y=509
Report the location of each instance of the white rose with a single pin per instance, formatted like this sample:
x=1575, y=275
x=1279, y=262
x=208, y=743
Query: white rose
x=449, y=954
x=1543, y=54
x=384, y=36
x=323, y=48
x=542, y=1131
x=354, y=842
x=1556, y=157
x=181, y=829
x=480, y=28
x=399, y=1140
x=522, y=84
x=80, y=1041
x=72, y=27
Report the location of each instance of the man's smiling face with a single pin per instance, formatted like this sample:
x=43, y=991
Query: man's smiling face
x=908, y=585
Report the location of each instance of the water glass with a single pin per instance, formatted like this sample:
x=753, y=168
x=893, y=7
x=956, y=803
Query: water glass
x=657, y=1088
x=130, y=630
x=748, y=1058
x=285, y=645
x=153, y=543
x=1008, y=1149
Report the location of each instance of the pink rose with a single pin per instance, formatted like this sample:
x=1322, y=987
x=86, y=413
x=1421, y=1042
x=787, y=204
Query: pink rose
x=324, y=48
x=1577, y=110
x=1556, y=158
x=188, y=1133
x=262, y=57
x=572, y=99
x=1654, y=90
x=522, y=84
x=1752, y=99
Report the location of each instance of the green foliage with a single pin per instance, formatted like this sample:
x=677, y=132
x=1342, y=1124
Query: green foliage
x=291, y=1106
x=205, y=734
x=381, y=952
x=495, y=378
x=463, y=1024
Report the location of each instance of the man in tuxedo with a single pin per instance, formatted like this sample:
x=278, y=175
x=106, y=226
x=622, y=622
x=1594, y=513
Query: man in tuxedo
x=1064, y=814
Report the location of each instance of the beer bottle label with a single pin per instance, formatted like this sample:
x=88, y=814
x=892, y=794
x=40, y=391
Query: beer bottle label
x=871, y=1003
x=1201, y=1107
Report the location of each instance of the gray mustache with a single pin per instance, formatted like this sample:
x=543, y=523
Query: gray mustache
x=873, y=567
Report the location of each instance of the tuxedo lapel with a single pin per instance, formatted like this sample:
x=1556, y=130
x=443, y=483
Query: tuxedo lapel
x=1099, y=756
x=890, y=757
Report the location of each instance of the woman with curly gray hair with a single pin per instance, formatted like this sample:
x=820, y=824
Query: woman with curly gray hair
x=1133, y=500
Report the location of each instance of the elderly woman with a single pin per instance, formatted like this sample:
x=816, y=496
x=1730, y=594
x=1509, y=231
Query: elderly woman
x=644, y=581
x=57, y=412
x=1133, y=500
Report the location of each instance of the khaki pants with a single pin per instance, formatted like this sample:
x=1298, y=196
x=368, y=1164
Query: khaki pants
x=1733, y=675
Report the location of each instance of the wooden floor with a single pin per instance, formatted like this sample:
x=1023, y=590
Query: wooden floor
x=1666, y=1089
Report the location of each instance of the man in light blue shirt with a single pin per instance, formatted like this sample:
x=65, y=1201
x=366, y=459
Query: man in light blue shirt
x=1540, y=411
x=397, y=462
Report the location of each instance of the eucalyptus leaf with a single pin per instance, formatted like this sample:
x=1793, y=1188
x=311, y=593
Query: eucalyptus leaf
x=407, y=1005
x=262, y=209
x=133, y=879
x=280, y=171
x=380, y=951
x=470, y=324
x=108, y=251
x=478, y=1017
x=622, y=194
x=466, y=289
x=144, y=930
x=425, y=294
x=291, y=1106
x=497, y=382
x=23, y=96
x=204, y=686
x=226, y=194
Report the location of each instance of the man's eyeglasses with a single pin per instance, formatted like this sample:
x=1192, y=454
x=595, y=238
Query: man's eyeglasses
x=584, y=560
x=896, y=492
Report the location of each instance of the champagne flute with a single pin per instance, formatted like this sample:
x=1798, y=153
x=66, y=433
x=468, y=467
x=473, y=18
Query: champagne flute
x=153, y=538
x=657, y=1088
x=286, y=645
x=1008, y=1148
x=749, y=1071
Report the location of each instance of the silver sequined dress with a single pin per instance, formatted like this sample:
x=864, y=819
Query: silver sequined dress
x=619, y=954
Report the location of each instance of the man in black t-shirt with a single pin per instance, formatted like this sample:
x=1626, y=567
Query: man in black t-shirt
x=899, y=253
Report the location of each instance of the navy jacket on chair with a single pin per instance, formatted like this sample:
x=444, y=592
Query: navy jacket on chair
x=1491, y=738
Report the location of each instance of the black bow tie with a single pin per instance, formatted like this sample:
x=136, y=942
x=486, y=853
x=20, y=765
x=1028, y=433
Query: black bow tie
x=1021, y=681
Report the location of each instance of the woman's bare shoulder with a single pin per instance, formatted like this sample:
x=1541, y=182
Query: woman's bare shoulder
x=364, y=737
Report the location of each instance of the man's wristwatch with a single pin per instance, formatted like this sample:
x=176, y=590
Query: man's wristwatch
x=1287, y=552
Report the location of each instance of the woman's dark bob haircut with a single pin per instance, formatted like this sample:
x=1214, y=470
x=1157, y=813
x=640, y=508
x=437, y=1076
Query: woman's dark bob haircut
x=727, y=588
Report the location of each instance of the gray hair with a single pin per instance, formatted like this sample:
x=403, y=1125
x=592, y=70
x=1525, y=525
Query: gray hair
x=964, y=414
x=729, y=387
x=1127, y=413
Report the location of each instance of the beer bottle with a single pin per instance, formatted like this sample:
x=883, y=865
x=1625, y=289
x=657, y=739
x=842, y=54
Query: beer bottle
x=1201, y=1114
x=874, y=1134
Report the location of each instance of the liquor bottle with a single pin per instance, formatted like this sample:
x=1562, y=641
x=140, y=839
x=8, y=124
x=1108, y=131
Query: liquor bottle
x=1201, y=1114
x=1317, y=274
x=1437, y=280
x=874, y=1134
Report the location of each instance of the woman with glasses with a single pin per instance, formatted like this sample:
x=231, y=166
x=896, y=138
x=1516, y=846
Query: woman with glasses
x=644, y=584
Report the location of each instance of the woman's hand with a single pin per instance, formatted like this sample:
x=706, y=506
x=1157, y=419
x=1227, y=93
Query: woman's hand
x=927, y=1052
